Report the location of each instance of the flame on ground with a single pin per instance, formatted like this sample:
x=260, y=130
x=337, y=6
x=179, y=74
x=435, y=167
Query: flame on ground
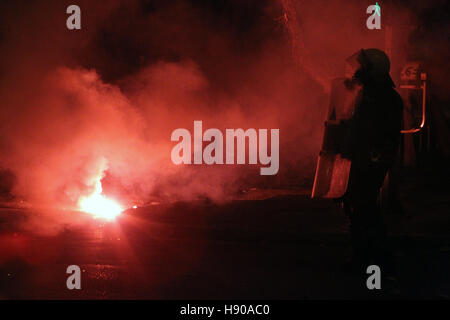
x=98, y=205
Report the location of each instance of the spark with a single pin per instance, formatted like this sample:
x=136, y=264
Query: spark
x=377, y=9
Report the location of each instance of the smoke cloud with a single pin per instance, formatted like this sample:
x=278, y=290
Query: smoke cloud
x=102, y=101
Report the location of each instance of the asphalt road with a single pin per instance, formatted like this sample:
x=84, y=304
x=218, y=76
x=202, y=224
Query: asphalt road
x=287, y=247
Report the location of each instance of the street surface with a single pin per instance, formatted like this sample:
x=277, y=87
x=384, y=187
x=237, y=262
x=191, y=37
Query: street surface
x=283, y=247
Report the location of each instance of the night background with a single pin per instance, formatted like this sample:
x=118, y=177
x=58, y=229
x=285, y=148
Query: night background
x=91, y=111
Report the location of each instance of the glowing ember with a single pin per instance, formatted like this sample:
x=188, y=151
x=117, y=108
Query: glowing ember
x=98, y=205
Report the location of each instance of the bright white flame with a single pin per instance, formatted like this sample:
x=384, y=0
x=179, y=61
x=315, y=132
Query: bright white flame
x=99, y=206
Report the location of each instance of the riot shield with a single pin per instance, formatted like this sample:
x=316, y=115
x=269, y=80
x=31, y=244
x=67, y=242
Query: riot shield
x=333, y=168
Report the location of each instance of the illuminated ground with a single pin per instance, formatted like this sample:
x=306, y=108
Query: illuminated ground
x=285, y=247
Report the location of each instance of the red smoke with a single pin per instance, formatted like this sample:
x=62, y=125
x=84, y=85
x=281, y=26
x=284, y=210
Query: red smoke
x=105, y=99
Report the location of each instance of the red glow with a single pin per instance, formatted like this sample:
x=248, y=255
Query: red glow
x=98, y=205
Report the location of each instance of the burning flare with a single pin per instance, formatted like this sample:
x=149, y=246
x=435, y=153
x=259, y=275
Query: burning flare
x=98, y=205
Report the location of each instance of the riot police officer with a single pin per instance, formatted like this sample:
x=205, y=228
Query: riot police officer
x=375, y=137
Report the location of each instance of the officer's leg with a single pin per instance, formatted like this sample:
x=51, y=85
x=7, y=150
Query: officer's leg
x=359, y=236
x=376, y=229
x=358, y=223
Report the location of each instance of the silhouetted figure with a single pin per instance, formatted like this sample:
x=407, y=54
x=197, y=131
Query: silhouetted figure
x=375, y=138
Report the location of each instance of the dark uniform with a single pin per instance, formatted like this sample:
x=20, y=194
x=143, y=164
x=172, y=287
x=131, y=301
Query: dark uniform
x=375, y=138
